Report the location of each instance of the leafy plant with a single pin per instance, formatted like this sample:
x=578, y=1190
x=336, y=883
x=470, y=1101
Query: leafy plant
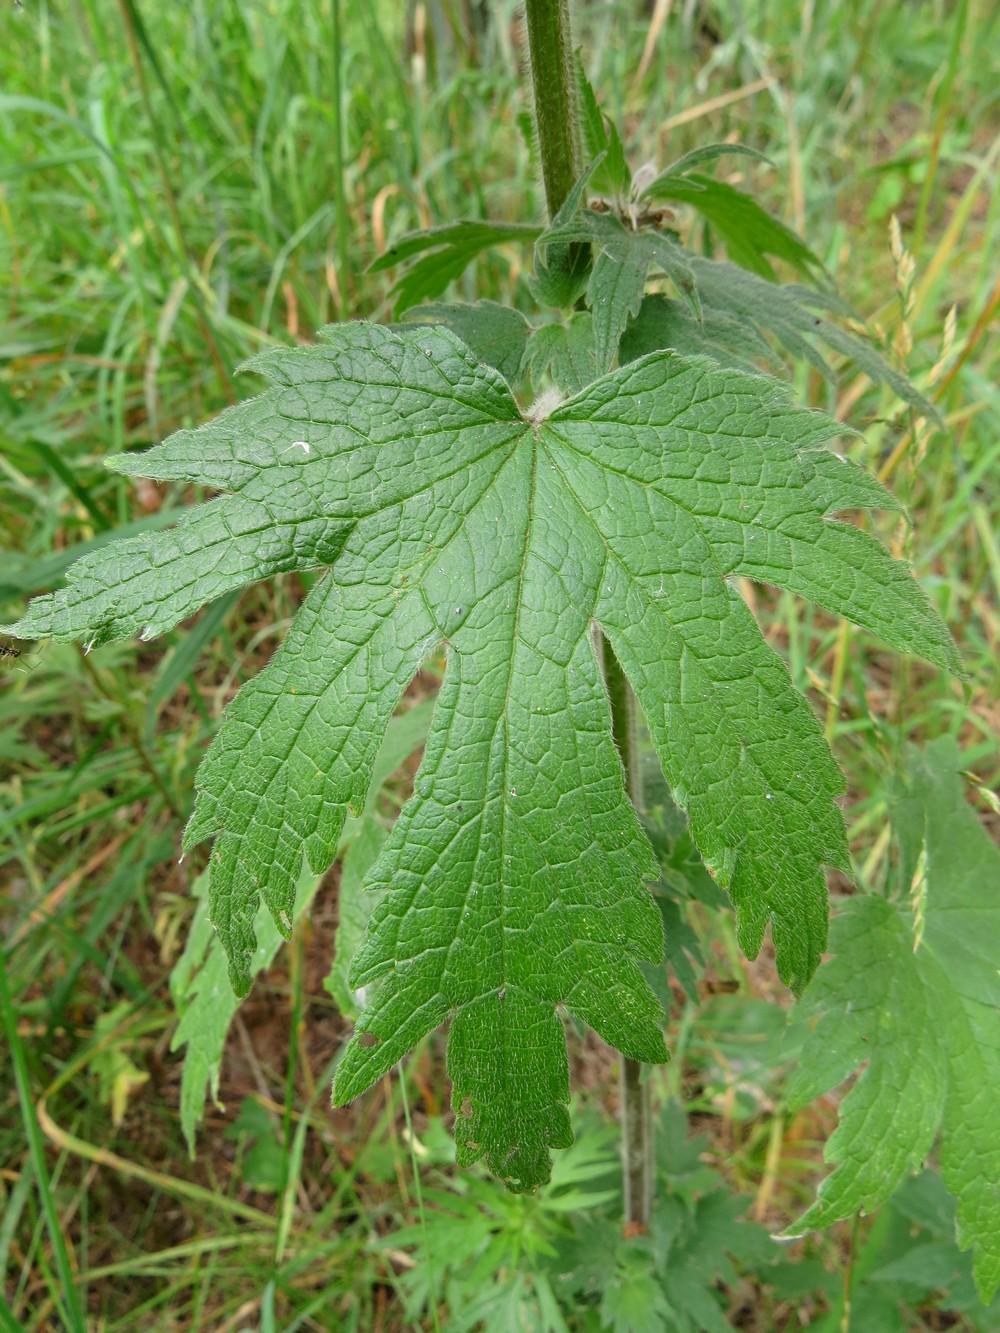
x=554, y=522
x=627, y=507
x=913, y=991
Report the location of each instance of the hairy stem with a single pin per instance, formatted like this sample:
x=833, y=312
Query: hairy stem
x=557, y=120
x=637, y=1124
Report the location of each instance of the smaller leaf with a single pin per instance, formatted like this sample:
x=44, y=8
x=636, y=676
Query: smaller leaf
x=452, y=248
x=452, y=235
x=634, y=1303
x=870, y=1005
x=355, y=909
x=618, y=277
x=662, y=323
x=710, y=152
x=789, y=313
x=200, y=988
x=563, y=352
x=924, y=1014
x=683, y=953
x=601, y=137
x=364, y=839
x=562, y=270
x=263, y=1164
x=750, y=232
x=495, y=334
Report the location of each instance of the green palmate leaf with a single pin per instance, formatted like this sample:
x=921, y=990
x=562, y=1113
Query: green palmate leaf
x=917, y=995
x=871, y=1006
x=446, y=254
x=495, y=333
x=750, y=232
x=512, y=882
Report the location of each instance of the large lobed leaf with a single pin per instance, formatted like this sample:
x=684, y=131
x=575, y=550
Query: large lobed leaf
x=513, y=880
x=922, y=1007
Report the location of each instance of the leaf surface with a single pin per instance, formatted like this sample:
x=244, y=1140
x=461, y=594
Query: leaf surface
x=206, y=1001
x=789, y=312
x=662, y=323
x=512, y=884
x=601, y=139
x=564, y=351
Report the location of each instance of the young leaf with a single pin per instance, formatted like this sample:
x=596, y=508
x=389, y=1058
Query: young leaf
x=494, y=333
x=451, y=248
x=923, y=1011
x=788, y=312
x=513, y=880
x=618, y=278
x=562, y=270
x=710, y=152
x=750, y=232
x=600, y=140
x=565, y=352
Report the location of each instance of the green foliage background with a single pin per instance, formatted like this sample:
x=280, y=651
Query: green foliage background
x=171, y=184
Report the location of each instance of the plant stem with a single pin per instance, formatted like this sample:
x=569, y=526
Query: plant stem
x=550, y=47
x=637, y=1123
x=557, y=120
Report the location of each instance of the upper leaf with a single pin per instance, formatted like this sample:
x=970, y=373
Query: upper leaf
x=446, y=252
x=601, y=139
x=921, y=1005
x=749, y=231
x=495, y=333
x=513, y=880
x=788, y=312
x=618, y=278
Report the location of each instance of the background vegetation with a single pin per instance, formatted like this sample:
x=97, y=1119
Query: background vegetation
x=181, y=185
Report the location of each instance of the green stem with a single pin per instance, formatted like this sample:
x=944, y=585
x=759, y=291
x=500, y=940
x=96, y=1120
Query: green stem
x=557, y=120
x=636, y=1114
